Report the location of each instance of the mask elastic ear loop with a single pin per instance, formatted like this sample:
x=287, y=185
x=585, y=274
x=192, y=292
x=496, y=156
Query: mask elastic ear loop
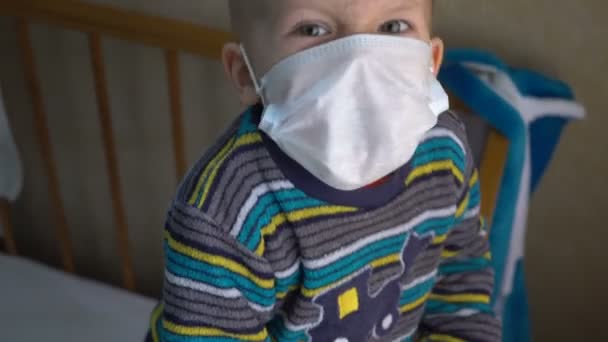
x=258, y=88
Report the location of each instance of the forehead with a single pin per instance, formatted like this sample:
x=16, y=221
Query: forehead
x=348, y=7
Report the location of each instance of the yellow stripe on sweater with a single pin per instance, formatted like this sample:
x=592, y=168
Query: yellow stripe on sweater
x=462, y=298
x=391, y=259
x=438, y=240
x=445, y=254
x=212, y=332
x=311, y=293
x=474, y=179
x=247, y=139
x=269, y=229
x=411, y=306
x=296, y=216
x=442, y=338
x=219, y=261
x=158, y=311
x=304, y=214
x=462, y=208
x=208, y=168
x=427, y=169
x=282, y=295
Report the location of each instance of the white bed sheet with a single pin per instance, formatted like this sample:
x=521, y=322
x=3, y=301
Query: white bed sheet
x=38, y=303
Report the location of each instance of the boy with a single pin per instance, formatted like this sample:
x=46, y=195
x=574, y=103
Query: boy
x=343, y=204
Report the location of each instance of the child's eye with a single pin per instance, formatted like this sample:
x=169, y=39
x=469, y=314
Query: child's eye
x=395, y=27
x=313, y=30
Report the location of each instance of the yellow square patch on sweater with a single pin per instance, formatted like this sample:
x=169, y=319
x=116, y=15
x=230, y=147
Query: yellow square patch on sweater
x=348, y=302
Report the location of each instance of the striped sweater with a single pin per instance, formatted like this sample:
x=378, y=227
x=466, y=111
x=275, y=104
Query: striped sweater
x=257, y=249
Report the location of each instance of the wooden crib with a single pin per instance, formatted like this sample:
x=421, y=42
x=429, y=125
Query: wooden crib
x=98, y=21
x=173, y=37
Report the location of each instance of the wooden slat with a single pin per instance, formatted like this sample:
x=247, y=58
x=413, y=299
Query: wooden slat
x=491, y=172
x=172, y=61
x=491, y=167
x=105, y=120
x=44, y=142
x=7, y=227
x=120, y=23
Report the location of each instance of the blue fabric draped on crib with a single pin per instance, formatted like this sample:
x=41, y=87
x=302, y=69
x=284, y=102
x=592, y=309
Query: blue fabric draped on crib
x=531, y=110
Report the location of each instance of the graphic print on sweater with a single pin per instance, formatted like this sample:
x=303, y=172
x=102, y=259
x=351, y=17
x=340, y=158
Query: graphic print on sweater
x=349, y=313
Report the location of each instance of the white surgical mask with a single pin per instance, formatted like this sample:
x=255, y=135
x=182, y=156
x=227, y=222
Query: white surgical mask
x=352, y=111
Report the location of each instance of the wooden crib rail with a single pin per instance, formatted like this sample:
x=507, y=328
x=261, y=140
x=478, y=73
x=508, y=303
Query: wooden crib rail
x=7, y=227
x=177, y=127
x=119, y=23
x=98, y=21
x=105, y=122
x=44, y=142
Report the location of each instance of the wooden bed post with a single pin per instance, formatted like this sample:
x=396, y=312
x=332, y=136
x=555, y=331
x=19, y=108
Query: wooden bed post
x=172, y=62
x=491, y=172
x=491, y=166
x=44, y=142
x=7, y=226
x=105, y=120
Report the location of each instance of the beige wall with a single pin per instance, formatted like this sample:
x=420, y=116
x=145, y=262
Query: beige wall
x=567, y=260
x=561, y=38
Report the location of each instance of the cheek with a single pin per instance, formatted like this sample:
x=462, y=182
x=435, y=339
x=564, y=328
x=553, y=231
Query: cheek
x=287, y=47
x=300, y=44
x=269, y=53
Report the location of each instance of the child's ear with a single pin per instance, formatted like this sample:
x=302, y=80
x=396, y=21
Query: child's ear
x=238, y=73
x=438, y=51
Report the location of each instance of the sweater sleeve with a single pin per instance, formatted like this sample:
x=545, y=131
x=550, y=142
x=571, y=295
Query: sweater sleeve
x=459, y=305
x=214, y=288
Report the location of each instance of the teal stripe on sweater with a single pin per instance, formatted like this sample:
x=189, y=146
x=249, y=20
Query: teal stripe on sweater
x=247, y=124
x=350, y=264
x=282, y=285
x=268, y=205
x=439, y=144
x=264, y=298
x=271, y=211
x=186, y=267
x=475, y=195
x=278, y=330
x=415, y=293
x=439, y=226
x=439, y=156
x=470, y=265
x=439, y=307
x=170, y=337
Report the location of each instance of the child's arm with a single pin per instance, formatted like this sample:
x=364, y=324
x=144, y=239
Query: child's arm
x=459, y=305
x=215, y=289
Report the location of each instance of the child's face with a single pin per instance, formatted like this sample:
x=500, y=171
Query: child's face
x=290, y=26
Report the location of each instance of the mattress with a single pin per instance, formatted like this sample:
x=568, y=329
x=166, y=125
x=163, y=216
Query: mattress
x=38, y=303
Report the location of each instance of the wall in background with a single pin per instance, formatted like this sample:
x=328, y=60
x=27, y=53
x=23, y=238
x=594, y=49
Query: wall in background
x=566, y=264
x=560, y=38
